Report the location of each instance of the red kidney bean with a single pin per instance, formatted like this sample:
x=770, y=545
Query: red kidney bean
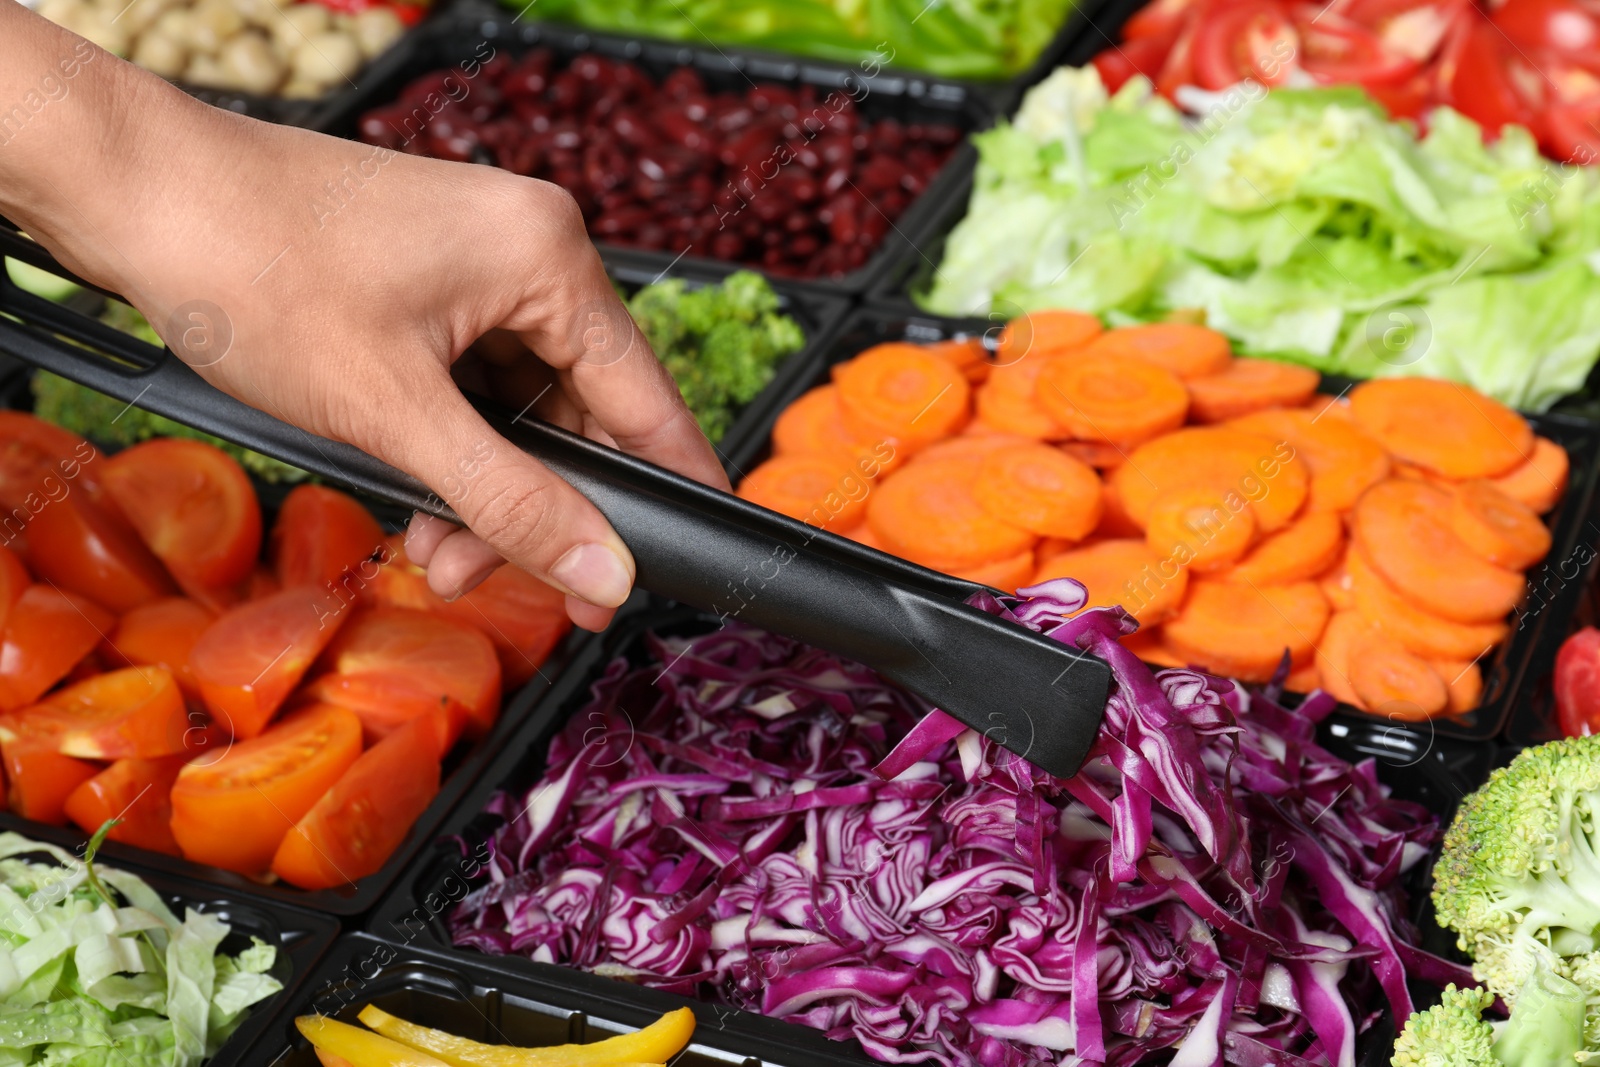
x=565, y=92
x=727, y=245
x=495, y=69
x=888, y=136
x=836, y=179
x=798, y=222
x=682, y=129
x=379, y=127
x=842, y=223
x=685, y=81
x=881, y=174
x=566, y=134
x=874, y=225
x=804, y=247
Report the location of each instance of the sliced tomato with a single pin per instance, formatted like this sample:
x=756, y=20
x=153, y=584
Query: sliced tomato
x=39, y=463
x=353, y=830
x=1242, y=39
x=163, y=634
x=194, y=507
x=90, y=549
x=1178, y=70
x=133, y=712
x=420, y=661
x=249, y=660
x=46, y=633
x=233, y=810
x=1488, y=83
x=1409, y=99
x=1160, y=18
x=1146, y=55
x=38, y=777
x=13, y=580
x=385, y=703
x=138, y=794
x=1572, y=133
x=1564, y=25
x=320, y=534
x=1576, y=683
x=1339, y=51
x=1414, y=29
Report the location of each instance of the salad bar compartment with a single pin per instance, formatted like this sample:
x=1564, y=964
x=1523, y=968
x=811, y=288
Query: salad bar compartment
x=821, y=174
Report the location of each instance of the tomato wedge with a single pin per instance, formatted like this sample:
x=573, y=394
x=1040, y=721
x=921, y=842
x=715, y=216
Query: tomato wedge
x=39, y=463
x=416, y=661
x=384, y=703
x=162, y=634
x=1483, y=84
x=1576, y=683
x=356, y=826
x=38, y=777
x=1339, y=51
x=233, y=811
x=194, y=507
x=138, y=794
x=13, y=580
x=1572, y=132
x=1415, y=29
x=250, y=659
x=1143, y=55
x=46, y=633
x=1564, y=25
x=1160, y=18
x=320, y=534
x=134, y=712
x=1242, y=39
x=90, y=549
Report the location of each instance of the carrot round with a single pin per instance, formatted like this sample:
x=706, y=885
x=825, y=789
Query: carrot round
x=928, y=513
x=971, y=446
x=1241, y=630
x=1249, y=470
x=1445, y=427
x=1008, y=402
x=1185, y=349
x=1005, y=575
x=1304, y=549
x=822, y=490
x=1040, y=488
x=1499, y=529
x=966, y=355
x=1042, y=333
x=1145, y=642
x=814, y=426
x=1247, y=385
x=1344, y=629
x=1102, y=398
x=1115, y=522
x=1337, y=584
x=1319, y=406
x=1391, y=681
x=1403, y=527
x=1464, y=681
x=1540, y=481
x=1194, y=527
x=1101, y=455
x=900, y=391
x=1122, y=572
x=1344, y=462
x=1304, y=679
x=1423, y=632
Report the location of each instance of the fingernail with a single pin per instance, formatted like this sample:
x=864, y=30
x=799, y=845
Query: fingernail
x=594, y=573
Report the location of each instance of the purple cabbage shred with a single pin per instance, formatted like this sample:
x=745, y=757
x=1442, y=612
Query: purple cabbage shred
x=750, y=821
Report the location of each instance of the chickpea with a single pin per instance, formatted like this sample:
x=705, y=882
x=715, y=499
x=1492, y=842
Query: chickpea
x=161, y=53
x=327, y=59
x=215, y=23
x=96, y=24
x=376, y=29
x=250, y=65
x=205, y=72
x=297, y=22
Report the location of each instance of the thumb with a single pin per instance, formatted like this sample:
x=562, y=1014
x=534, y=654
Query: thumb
x=514, y=503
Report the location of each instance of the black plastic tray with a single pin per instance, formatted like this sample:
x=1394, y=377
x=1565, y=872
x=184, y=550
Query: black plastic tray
x=1435, y=772
x=1510, y=673
x=302, y=938
x=449, y=41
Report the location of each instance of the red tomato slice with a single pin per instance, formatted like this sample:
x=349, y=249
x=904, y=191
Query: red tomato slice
x=320, y=534
x=1146, y=56
x=1572, y=133
x=1338, y=51
x=232, y=811
x=1414, y=29
x=42, y=462
x=1245, y=39
x=138, y=794
x=1577, y=683
x=250, y=659
x=1487, y=82
x=163, y=634
x=1565, y=25
x=1407, y=99
x=13, y=580
x=1160, y=18
x=413, y=652
x=46, y=632
x=90, y=549
x=356, y=826
x=134, y=712
x=193, y=505
x=1178, y=70
x=385, y=703
x=38, y=777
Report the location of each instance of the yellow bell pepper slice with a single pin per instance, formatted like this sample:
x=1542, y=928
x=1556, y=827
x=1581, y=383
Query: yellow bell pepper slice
x=358, y=1047
x=655, y=1044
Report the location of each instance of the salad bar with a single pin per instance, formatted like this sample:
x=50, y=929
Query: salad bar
x=1156, y=620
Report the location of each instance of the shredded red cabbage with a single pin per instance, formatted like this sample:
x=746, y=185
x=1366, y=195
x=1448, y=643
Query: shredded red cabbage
x=1226, y=888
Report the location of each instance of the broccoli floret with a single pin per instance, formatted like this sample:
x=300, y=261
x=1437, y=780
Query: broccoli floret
x=1545, y=1028
x=1452, y=1033
x=732, y=360
x=655, y=309
x=746, y=296
x=1520, y=871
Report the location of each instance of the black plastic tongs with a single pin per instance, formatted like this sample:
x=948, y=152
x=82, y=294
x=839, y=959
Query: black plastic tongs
x=707, y=549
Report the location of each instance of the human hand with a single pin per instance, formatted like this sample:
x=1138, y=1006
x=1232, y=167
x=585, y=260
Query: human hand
x=334, y=285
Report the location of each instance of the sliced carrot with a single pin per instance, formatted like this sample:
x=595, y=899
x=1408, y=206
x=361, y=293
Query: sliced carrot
x=1333, y=407
x=1403, y=527
x=1344, y=462
x=1242, y=630
x=1103, y=398
x=1392, y=682
x=1040, y=488
x=1498, y=528
x=1423, y=632
x=1304, y=679
x=863, y=534
x=928, y=513
x=1464, y=681
x=1344, y=629
x=1247, y=385
x=1248, y=469
x=1413, y=473
x=822, y=490
x=1115, y=522
x=1039, y=333
x=1006, y=575
x=1194, y=527
x=1445, y=427
x=1122, y=572
x=1304, y=549
x=1054, y=546
x=1009, y=402
x=1145, y=642
x=1540, y=481
x=1101, y=455
x=901, y=391
x=1337, y=585
x=971, y=445
x=966, y=355
x=1185, y=349
x=814, y=426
